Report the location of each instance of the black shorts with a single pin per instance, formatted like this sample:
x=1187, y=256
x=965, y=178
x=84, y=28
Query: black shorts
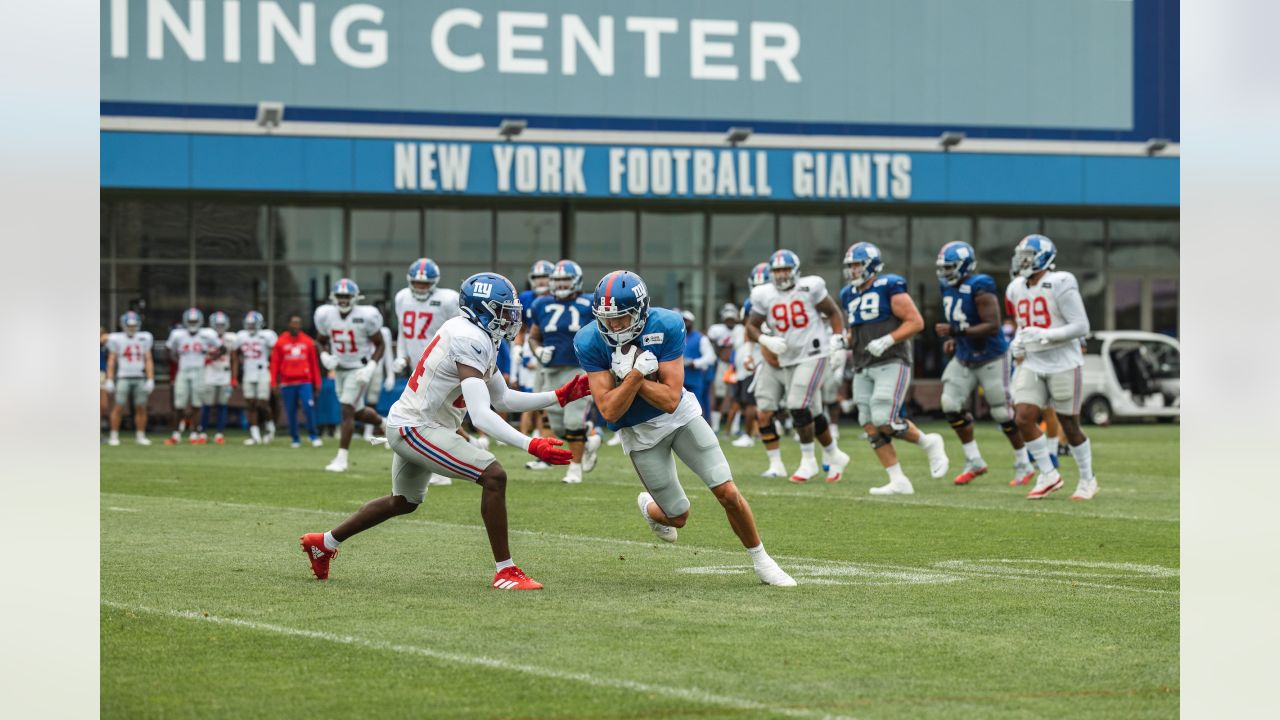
x=742, y=392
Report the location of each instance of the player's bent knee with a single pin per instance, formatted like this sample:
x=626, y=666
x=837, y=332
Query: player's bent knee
x=769, y=431
x=494, y=477
x=403, y=505
x=1008, y=427
x=959, y=419
x=877, y=439
x=1000, y=413
x=801, y=417
x=951, y=405
x=679, y=520
x=821, y=424
x=578, y=435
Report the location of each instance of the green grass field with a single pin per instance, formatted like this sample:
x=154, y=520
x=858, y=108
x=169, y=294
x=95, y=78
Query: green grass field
x=953, y=603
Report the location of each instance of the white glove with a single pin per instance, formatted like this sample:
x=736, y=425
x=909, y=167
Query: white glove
x=328, y=361
x=149, y=385
x=838, y=343
x=773, y=344
x=389, y=383
x=1034, y=335
x=646, y=363
x=545, y=353
x=622, y=362
x=109, y=385
x=1017, y=349
x=839, y=360
x=878, y=346
x=366, y=372
x=400, y=365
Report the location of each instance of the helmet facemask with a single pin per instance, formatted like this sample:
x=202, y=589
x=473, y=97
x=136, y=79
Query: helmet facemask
x=505, y=321
x=784, y=278
x=1024, y=262
x=344, y=302
x=421, y=289
x=130, y=325
x=192, y=322
x=949, y=271
x=565, y=286
x=620, y=326
x=855, y=271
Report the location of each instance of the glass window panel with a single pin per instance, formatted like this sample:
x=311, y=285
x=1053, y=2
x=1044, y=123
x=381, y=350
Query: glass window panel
x=308, y=233
x=299, y=290
x=731, y=287
x=379, y=285
x=605, y=237
x=671, y=239
x=526, y=236
x=816, y=239
x=1082, y=251
x=591, y=275
x=997, y=237
x=109, y=319
x=230, y=232
x=159, y=292
x=741, y=240
x=385, y=235
x=928, y=235
x=1164, y=306
x=105, y=219
x=1128, y=303
x=1144, y=245
x=677, y=287
x=462, y=236
x=233, y=289
x=887, y=232
x=151, y=230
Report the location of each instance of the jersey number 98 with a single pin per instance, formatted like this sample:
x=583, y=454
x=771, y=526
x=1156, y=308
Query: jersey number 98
x=789, y=315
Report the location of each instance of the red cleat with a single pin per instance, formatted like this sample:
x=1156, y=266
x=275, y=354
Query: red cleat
x=1024, y=479
x=969, y=474
x=170, y=441
x=220, y=440
x=318, y=554
x=510, y=578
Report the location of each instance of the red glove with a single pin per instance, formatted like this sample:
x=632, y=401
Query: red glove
x=545, y=450
x=575, y=389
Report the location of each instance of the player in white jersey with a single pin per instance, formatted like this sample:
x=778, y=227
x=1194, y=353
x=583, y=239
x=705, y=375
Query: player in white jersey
x=254, y=343
x=456, y=374
x=131, y=375
x=1051, y=321
x=189, y=343
x=421, y=310
x=220, y=370
x=351, y=331
x=807, y=327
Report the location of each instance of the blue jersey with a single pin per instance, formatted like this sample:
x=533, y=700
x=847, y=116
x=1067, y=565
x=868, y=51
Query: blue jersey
x=504, y=358
x=663, y=335
x=527, y=298
x=560, y=321
x=960, y=309
x=870, y=315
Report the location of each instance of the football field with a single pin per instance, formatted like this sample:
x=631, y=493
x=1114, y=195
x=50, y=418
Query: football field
x=957, y=602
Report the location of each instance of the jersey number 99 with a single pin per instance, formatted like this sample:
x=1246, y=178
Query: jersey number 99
x=1033, y=313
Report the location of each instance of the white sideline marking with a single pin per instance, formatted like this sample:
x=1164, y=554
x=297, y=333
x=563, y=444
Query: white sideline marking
x=122, y=509
x=688, y=694
x=833, y=573
x=990, y=573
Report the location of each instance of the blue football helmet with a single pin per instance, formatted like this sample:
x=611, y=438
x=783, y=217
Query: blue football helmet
x=540, y=276
x=956, y=261
x=784, y=268
x=862, y=262
x=192, y=319
x=621, y=294
x=130, y=323
x=759, y=275
x=422, y=271
x=1033, y=254
x=253, y=321
x=566, y=279
x=346, y=293
x=489, y=300
x=220, y=322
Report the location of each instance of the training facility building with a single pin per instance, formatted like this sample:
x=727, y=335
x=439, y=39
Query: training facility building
x=253, y=152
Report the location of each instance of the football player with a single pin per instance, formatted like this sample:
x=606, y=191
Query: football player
x=524, y=365
x=219, y=375
x=556, y=319
x=383, y=379
x=633, y=356
x=1051, y=321
x=456, y=374
x=972, y=328
x=747, y=359
x=882, y=320
x=351, y=331
x=797, y=309
x=189, y=343
x=254, y=343
x=421, y=309
x=131, y=375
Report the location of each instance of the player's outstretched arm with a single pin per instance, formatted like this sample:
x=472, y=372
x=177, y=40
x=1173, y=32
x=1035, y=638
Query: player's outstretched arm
x=475, y=391
x=665, y=394
x=508, y=400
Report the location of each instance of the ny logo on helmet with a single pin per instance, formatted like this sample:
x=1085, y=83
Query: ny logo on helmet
x=482, y=289
x=639, y=291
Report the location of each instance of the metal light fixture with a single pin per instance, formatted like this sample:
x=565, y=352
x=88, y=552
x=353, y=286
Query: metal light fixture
x=950, y=139
x=510, y=128
x=737, y=135
x=270, y=114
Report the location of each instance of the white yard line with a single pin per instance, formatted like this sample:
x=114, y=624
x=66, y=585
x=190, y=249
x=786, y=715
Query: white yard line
x=693, y=695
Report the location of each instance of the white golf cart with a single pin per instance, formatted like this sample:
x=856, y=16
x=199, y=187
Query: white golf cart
x=1130, y=374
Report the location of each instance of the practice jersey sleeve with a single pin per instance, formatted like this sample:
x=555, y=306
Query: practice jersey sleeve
x=894, y=285
x=759, y=301
x=817, y=289
x=983, y=284
x=321, y=320
x=671, y=346
x=373, y=321
x=472, y=352
x=1071, y=306
x=593, y=353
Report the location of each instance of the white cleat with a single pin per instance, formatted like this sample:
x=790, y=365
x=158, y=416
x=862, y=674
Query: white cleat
x=439, y=480
x=591, y=453
x=113, y=442
x=295, y=445
x=1085, y=489
x=268, y=437
x=614, y=441
x=572, y=476
x=666, y=533
x=775, y=470
x=536, y=465
x=250, y=441
x=1045, y=484
x=771, y=574
x=936, y=450
x=317, y=443
x=836, y=463
x=142, y=440
x=808, y=468
x=744, y=441
x=480, y=442
x=901, y=487
x=337, y=465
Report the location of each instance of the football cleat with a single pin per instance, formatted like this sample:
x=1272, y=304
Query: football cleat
x=513, y=578
x=219, y=439
x=835, y=465
x=771, y=574
x=614, y=441
x=808, y=468
x=936, y=450
x=665, y=533
x=171, y=441
x=775, y=470
x=536, y=465
x=972, y=469
x=198, y=440
x=295, y=445
x=591, y=453
x=572, y=476
x=1045, y=484
x=439, y=480
x=1085, y=489
x=744, y=441
x=317, y=554
x=317, y=442
x=1022, y=474
x=901, y=487
x=250, y=441
x=338, y=464
x=113, y=441
x=142, y=440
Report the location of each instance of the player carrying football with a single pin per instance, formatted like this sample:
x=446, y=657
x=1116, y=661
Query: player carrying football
x=1051, y=321
x=456, y=374
x=352, y=332
x=634, y=359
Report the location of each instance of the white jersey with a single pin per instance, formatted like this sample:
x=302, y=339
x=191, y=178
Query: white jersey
x=189, y=347
x=1054, y=302
x=793, y=315
x=420, y=320
x=349, y=337
x=434, y=386
x=131, y=353
x=217, y=371
x=255, y=352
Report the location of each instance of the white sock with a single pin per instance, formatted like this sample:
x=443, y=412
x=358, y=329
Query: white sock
x=806, y=452
x=758, y=555
x=775, y=455
x=735, y=427
x=255, y=433
x=115, y=434
x=835, y=432
x=575, y=468
x=895, y=473
x=368, y=432
x=1052, y=445
x=177, y=435
x=715, y=420
x=342, y=454
x=830, y=448
x=1083, y=455
x=140, y=434
x=330, y=542
x=501, y=564
x=271, y=427
x=1038, y=449
x=971, y=450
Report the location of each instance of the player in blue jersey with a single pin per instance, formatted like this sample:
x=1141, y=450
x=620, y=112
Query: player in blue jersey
x=554, y=321
x=972, y=328
x=523, y=365
x=882, y=320
x=634, y=358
